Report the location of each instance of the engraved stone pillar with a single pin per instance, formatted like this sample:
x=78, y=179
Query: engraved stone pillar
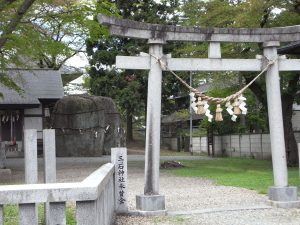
x=119, y=159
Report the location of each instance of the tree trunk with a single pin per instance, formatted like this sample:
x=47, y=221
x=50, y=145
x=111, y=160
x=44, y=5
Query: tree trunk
x=290, y=141
x=129, y=135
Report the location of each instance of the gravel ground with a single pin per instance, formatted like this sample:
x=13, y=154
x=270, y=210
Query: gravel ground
x=190, y=196
x=194, y=195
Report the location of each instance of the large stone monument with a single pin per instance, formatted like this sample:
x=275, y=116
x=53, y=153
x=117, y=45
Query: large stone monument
x=151, y=201
x=91, y=123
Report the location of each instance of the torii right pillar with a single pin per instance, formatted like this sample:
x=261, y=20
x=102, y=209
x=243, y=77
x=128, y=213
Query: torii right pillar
x=280, y=195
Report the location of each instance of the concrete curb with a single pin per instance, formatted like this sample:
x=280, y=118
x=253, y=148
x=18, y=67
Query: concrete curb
x=191, y=212
x=216, y=210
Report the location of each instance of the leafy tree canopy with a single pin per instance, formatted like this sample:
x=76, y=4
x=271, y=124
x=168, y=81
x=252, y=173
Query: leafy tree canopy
x=249, y=14
x=49, y=31
x=128, y=88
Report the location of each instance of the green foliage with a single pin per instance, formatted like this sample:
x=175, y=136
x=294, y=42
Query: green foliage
x=7, y=81
x=183, y=114
x=11, y=214
x=128, y=88
x=247, y=173
x=52, y=31
x=256, y=118
x=249, y=13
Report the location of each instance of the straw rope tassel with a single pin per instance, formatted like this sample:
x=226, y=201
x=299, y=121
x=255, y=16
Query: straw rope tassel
x=200, y=106
x=236, y=108
x=219, y=116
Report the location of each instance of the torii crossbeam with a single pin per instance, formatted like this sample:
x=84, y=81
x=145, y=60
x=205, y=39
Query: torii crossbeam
x=151, y=201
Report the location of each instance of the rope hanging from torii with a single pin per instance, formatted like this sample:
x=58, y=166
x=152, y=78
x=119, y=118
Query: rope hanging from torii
x=235, y=104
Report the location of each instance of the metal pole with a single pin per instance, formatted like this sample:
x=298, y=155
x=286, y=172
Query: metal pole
x=191, y=119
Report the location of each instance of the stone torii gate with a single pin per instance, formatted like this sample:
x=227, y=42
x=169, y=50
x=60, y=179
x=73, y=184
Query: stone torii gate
x=151, y=201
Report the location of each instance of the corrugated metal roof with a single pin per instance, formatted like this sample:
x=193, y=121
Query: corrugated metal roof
x=37, y=84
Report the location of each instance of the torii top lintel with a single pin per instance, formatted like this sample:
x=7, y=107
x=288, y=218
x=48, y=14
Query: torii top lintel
x=139, y=30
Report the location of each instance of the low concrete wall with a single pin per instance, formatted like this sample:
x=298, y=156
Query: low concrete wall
x=94, y=198
x=170, y=143
x=244, y=145
x=236, y=145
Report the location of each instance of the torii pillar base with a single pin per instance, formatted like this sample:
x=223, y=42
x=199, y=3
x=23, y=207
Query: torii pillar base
x=284, y=197
x=151, y=204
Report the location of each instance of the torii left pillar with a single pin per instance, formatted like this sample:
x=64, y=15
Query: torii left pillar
x=151, y=200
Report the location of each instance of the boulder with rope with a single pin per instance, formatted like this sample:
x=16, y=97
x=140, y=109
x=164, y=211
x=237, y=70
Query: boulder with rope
x=86, y=126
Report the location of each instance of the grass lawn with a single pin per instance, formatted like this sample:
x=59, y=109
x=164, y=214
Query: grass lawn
x=247, y=173
x=11, y=215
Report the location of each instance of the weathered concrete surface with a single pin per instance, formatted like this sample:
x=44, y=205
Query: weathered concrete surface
x=99, y=211
x=54, y=213
x=88, y=189
x=1, y=215
x=30, y=156
x=134, y=29
x=275, y=117
x=28, y=214
x=57, y=213
x=150, y=203
x=2, y=156
x=211, y=64
x=285, y=204
x=86, y=213
x=49, y=155
x=283, y=194
x=152, y=148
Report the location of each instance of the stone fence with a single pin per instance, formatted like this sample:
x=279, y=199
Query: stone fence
x=93, y=196
x=97, y=197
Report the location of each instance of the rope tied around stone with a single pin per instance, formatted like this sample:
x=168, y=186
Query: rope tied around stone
x=210, y=99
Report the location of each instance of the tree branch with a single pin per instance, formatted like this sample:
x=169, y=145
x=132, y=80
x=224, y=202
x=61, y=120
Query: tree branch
x=256, y=89
x=12, y=25
x=65, y=59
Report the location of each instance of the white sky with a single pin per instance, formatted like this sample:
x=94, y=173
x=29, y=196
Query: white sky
x=78, y=61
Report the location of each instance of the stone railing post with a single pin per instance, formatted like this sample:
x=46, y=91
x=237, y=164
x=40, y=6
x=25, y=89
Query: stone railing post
x=2, y=156
x=1, y=215
x=119, y=159
x=28, y=212
x=299, y=157
x=55, y=212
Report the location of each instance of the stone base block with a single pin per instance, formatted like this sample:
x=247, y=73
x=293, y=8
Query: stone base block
x=283, y=194
x=285, y=205
x=147, y=213
x=150, y=202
